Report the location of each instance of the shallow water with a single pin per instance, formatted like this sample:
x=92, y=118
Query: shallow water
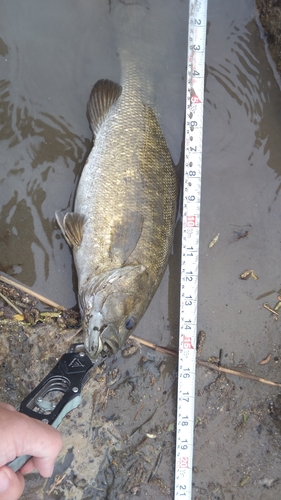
x=241, y=178
x=50, y=56
x=240, y=193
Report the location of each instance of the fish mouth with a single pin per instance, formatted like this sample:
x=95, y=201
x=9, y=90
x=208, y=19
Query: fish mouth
x=93, y=343
x=110, y=337
x=101, y=338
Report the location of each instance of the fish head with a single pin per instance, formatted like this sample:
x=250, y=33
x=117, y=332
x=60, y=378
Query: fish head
x=111, y=305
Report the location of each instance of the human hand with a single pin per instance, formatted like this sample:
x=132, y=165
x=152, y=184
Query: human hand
x=22, y=435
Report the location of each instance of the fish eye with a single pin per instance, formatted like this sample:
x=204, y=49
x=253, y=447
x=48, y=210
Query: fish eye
x=129, y=323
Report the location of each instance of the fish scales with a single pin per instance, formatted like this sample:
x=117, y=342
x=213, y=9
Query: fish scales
x=122, y=227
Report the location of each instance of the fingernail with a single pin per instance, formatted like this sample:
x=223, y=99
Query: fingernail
x=4, y=481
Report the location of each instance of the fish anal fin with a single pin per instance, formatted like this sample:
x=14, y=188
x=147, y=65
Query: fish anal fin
x=71, y=225
x=104, y=94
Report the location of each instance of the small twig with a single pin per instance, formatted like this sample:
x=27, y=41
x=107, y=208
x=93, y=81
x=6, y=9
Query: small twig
x=211, y=366
x=155, y=347
x=156, y=467
x=27, y=290
x=236, y=372
x=69, y=335
x=139, y=410
x=266, y=306
x=10, y=303
x=56, y=483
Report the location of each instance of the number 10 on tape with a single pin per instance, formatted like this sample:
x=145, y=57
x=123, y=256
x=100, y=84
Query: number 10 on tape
x=190, y=247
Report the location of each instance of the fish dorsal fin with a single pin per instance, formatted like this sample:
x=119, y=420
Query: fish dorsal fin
x=71, y=225
x=104, y=94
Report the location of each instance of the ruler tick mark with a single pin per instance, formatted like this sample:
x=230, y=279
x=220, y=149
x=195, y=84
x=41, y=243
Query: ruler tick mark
x=190, y=246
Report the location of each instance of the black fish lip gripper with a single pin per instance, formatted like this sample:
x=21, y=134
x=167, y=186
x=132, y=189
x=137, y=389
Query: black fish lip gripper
x=62, y=390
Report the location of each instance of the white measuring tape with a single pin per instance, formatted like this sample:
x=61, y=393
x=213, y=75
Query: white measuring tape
x=190, y=247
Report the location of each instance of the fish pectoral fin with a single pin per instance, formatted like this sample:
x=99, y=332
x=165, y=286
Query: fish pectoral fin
x=71, y=226
x=104, y=94
x=125, y=236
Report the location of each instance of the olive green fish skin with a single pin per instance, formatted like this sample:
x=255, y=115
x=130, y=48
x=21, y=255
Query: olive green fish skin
x=124, y=214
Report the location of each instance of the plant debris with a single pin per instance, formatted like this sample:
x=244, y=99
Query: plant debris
x=214, y=240
x=246, y=275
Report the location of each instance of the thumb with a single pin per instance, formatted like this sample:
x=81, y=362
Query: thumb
x=11, y=484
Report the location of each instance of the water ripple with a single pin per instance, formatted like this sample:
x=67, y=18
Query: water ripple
x=239, y=75
x=36, y=148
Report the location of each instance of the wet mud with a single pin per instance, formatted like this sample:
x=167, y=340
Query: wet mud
x=270, y=17
x=119, y=443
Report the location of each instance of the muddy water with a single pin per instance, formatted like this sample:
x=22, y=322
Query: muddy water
x=50, y=56
x=237, y=451
x=50, y=59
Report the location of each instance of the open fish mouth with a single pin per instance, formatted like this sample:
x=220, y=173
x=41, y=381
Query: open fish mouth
x=97, y=339
x=110, y=337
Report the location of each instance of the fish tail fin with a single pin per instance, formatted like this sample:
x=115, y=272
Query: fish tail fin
x=133, y=27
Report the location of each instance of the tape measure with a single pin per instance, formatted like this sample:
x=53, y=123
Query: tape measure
x=190, y=247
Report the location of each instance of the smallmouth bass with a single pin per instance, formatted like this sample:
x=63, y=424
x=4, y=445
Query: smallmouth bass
x=122, y=227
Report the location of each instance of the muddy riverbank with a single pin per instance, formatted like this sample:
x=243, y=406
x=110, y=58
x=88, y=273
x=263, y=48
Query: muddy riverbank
x=270, y=17
x=117, y=442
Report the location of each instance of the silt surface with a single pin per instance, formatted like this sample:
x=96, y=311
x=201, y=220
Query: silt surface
x=120, y=442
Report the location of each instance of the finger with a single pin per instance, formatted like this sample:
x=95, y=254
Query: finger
x=35, y=438
x=6, y=406
x=44, y=445
x=44, y=459
x=11, y=484
x=28, y=467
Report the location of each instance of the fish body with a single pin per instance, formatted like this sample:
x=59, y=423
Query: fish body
x=122, y=227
